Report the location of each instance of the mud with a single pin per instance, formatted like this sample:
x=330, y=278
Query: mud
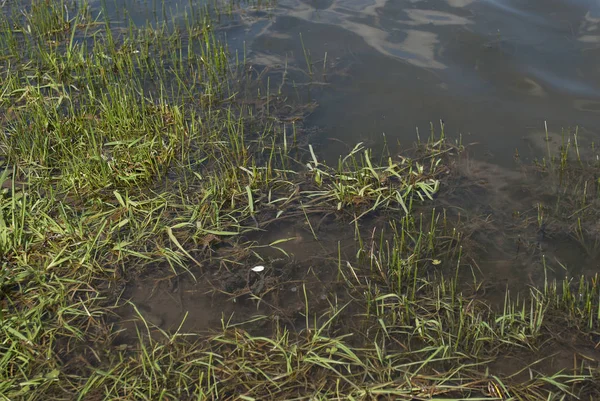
x=226, y=291
x=516, y=233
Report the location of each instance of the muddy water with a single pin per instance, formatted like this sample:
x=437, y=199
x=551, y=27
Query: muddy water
x=298, y=270
x=493, y=70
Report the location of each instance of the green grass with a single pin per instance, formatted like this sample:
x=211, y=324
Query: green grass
x=130, y=150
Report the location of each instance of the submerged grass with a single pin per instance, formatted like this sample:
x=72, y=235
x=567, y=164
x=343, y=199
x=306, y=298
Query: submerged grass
x=128, y=149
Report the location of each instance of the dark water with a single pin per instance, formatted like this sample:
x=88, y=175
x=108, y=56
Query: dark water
x=492, y=70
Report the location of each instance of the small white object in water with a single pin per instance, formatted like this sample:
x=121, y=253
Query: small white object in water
x=258, y=268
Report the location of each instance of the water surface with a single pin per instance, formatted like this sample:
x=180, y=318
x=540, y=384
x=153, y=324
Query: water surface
x=492, y=70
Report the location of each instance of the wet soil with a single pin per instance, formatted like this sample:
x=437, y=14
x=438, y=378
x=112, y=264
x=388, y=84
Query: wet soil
x=516, y=235
x=227, y=291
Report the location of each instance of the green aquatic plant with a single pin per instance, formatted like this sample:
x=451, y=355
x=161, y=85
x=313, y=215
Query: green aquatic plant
x=356, y=182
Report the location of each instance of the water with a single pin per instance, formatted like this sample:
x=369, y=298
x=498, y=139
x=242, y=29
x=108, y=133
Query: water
x=495, y=71
x=492, y=70
x=333, y=298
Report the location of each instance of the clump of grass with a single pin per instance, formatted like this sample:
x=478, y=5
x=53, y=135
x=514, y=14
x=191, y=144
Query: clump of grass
x=118, y=140
x=357, y=182
x=49, y=19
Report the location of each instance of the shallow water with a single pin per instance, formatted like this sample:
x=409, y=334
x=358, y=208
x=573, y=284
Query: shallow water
x=492, y=70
